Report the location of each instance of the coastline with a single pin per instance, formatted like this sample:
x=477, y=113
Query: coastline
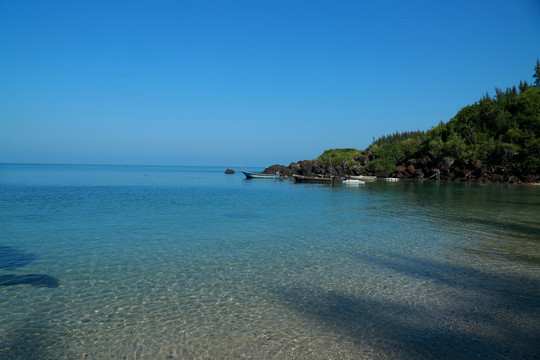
x=425, y=168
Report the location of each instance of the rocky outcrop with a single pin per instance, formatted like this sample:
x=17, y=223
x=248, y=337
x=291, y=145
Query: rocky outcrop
x=229, y=171
x=427, y=168
x=317, y=168
x=449, y=169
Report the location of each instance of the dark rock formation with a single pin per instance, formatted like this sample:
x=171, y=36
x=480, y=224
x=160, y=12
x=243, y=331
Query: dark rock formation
x=424, y=162
x=356, y=170
x=274, y=169
x=475, y=164
x=424, y=167
x=294, y=167
x=446, y=162
x=306, y=167
x=362, y=159
x=229, y=171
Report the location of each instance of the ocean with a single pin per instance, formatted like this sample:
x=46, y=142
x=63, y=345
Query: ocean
x=162, y=262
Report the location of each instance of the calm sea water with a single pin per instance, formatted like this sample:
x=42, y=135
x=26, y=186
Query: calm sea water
x=128, y=262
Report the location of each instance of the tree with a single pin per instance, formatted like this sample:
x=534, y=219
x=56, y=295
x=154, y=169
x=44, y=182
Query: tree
x=523, y=86
x=537, y=73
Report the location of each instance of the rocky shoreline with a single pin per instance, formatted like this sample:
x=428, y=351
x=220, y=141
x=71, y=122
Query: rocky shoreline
x=426, y=168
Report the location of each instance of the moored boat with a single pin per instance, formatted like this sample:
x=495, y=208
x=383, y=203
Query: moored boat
x=313, y=179
x=353, y=182
x=363, y=178
x=254, y=175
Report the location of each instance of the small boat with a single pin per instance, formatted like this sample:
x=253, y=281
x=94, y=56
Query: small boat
x=353, y=182
x=363, y=178
x=254, y=175
x=313, y=179
x=391, y=179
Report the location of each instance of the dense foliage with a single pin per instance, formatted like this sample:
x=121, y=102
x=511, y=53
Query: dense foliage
x=338, y=156
x=397, y=137
x=389, y=150
x=503, y=132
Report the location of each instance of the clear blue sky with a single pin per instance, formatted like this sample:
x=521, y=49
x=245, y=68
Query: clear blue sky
x=248, y=83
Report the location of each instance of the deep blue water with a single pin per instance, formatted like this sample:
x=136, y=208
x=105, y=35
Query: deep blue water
x=149, y=262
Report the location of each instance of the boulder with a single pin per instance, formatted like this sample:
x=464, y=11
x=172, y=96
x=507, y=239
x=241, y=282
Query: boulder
x=411, y=169
x=362, y=159
x=497, y=177
x=423, y=162
x=446, y=162
x=317, y=167
x=294, y=167
x=460, y=164
x=401, y=169
x=462, y=173
x=356, y=169
x=475, y=164
x=229, y=171
x=418, y=174
x=306, y=166
x=274, y=169
x=287, y=172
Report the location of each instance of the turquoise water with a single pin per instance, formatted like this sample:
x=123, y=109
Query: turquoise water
x=128, y=262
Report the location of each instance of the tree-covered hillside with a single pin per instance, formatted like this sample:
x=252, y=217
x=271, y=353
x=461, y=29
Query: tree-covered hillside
x=495, y=139
x=503, y=132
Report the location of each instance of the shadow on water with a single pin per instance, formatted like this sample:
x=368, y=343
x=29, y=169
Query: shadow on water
x=11, y=259
x=39, y=280
x=397, y=331
x=480, y=316
x=521, y=228
x=516, y=290
x=35, y=335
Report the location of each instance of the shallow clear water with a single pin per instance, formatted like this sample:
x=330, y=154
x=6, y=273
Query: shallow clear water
x=126, y=262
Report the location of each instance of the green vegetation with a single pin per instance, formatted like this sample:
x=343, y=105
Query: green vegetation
x=389, y=150
x=337, y=157
x=501, y=131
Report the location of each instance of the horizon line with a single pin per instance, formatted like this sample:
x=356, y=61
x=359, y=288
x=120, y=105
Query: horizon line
x=99, y=164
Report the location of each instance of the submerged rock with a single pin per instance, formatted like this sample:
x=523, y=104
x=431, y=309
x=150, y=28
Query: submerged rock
x=229, y=171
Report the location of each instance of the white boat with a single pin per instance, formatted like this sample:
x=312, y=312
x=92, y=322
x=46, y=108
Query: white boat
x=391, y=179
x=353, y=182
x=363, y=178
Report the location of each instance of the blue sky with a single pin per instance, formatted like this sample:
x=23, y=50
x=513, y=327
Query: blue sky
x=245, y=83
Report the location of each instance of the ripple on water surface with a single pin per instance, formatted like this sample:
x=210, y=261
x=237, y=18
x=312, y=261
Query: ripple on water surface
x=268, y=270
